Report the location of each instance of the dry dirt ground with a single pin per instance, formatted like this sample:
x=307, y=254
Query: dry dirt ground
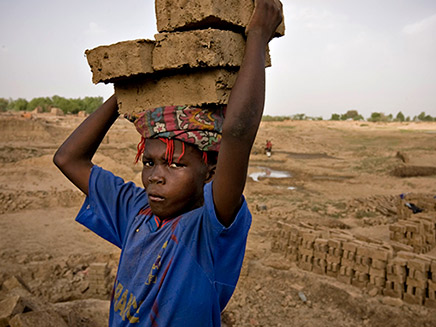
x=339, y=176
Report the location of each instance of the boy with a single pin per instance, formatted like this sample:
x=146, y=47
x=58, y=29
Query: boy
x=182, y=236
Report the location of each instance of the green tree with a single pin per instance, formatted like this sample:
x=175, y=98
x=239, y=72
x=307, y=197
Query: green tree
x=3, y=104
x=400, y=117
x=90, y=104
x=423, y=117
x=18, y=105
x=335, y=117
x=44, y=103
x=378, y=116
x=299, y=117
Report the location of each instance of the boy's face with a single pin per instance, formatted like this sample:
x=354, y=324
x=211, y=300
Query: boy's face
x=174, y=188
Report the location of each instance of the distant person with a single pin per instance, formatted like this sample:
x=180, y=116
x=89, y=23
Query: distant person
x=183, y=235
x=268, y=148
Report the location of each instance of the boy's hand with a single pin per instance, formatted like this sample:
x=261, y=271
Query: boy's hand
x=266, y=17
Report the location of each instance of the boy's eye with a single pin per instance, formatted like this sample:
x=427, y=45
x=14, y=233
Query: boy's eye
x=176, y=165
x=148, y=163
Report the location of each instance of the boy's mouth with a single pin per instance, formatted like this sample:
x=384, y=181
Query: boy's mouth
x=155, y=198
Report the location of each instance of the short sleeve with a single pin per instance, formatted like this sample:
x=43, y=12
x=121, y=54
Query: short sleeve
x=111, y=205
x=229, y=243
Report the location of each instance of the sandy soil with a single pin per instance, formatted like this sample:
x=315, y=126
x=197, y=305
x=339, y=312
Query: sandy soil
x=340, y=174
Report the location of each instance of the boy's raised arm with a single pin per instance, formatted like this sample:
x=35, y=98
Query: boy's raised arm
x=244, y=112
x=74, y=156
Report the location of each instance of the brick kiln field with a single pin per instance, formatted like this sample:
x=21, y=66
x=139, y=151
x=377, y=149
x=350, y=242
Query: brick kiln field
x=341, y=197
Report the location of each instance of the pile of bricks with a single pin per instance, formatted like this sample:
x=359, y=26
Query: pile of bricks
x=417, y=230
x=419, y=233
x=193, y=60
x=379, y=267
x=99, y=280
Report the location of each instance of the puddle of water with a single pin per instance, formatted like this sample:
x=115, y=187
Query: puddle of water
x=298, y=155
x=268, y=173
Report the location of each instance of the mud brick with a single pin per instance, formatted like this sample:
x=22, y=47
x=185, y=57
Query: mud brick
x=361, y=268
x=346, y=271
x=433, y=270
x=347, y=263
x=320, y=255
x=294, y=236
x=396, y=278
x=306, y=252
x=120, y=60
x=417, y=241
x=319, y=266
x=398, y=227
x=37, y=318
x=335, y=243
x=98, y=269
x=9, y=307
x=333, y=259
x=305, y=263
x=398, y=287
x=379, y=264
x=359, y=283
x=379, y=282
x=418, y=275
x=193, y=89
x=363, y=260
x=321, y=245
x=351, y=256
x=361, y=277
x=350, y=247
x=416, y=283
x=432, y=290
x=332, y=269
x=412, y=228
x=291, y=256
x=199, y=48
x=416, y=296
x=377, y=272
x=380, y=253
x=393, y=293
x=174, y=15
x=397, y=266
x=400, y=247
x=419, y=265
x=406, y=255
x=309, y=239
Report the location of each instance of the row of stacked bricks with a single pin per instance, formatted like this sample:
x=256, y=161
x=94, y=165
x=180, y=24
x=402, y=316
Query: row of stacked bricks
x=193, y=60
x=98, y=279
x=374, y=266
x=419, y=233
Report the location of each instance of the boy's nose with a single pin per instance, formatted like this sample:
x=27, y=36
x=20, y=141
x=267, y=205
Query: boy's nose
x=156, y=177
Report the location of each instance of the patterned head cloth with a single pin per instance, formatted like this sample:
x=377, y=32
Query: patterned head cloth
x=197, y=126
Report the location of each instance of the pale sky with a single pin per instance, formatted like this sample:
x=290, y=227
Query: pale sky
x=337, y=55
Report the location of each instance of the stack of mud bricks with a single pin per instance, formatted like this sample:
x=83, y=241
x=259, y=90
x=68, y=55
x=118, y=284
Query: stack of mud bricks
x=419, y=232
x=373, y=266
x=306, y=250
x=423, y=201
x=98, y=279
x=285, y=240
x=320, y=253
x=193, y=60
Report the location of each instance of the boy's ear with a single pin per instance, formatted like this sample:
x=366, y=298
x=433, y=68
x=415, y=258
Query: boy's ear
x=210, y=173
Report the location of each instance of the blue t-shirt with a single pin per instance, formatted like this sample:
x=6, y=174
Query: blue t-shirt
x=182, y=274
